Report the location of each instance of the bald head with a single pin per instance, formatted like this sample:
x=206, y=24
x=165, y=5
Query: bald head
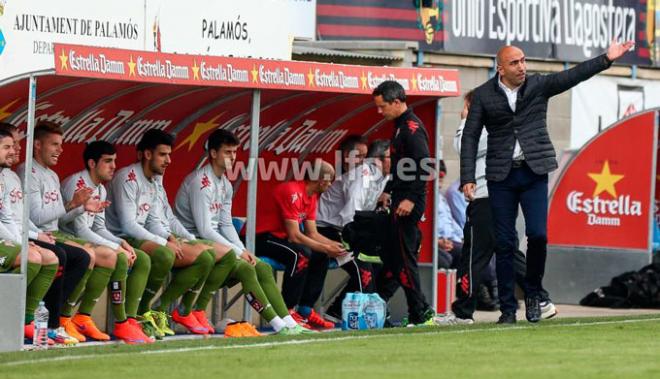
x=504, y=51
x=321, y=175
x=511, y=66
x=326, y=171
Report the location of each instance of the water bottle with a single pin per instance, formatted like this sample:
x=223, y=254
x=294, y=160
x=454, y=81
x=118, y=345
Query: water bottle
x=40, y=340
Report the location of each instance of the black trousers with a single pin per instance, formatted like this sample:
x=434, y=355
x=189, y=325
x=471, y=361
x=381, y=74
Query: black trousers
x=400, y=264
x=524, y=188
x=73, y=264
x=305, y=269
x=478, y=250
x=360, y=274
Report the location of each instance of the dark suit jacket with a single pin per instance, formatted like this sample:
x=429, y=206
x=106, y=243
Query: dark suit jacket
x=490, y=108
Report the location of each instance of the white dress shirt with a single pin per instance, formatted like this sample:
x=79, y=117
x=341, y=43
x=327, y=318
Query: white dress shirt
x=512, y=96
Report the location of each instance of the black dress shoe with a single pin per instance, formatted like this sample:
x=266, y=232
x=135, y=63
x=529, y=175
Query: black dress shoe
x=532, y=309
x=507, y=318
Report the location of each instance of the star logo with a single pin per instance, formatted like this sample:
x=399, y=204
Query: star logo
x=414, y=82
x=4, y=113
x=310, y=77
x=64, y=61
x=605, y=180
x=195, y=70
x=131, y=67
x=363, y=78
x=255, y=74
x=200, y=129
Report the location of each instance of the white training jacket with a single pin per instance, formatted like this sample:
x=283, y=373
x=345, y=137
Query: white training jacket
x=89, y=226
x=132, y=197
x=203, y=204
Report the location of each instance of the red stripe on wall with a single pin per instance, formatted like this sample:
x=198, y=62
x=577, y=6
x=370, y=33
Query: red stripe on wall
x=374, y=32
x=366, y=12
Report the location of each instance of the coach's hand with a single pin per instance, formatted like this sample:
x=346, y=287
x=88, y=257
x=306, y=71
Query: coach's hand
x=405, y=208
x=616, y=50
x=468, y=191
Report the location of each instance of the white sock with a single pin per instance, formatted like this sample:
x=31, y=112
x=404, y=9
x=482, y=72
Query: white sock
x=290, y=322
x=277, y=323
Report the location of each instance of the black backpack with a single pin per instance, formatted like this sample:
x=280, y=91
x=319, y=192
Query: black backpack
x=368, y=232
x=633, y=289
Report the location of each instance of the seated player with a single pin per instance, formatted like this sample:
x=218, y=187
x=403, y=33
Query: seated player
x=132, y=215
x=204, y=204
x=125, y=289
x=73, y=262
x=42, y=263
x=46, y=209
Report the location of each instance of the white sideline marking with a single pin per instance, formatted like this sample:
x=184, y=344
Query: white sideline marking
x=437, y=330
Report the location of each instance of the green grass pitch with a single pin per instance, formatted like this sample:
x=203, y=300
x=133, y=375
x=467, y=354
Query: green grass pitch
x=566, y=348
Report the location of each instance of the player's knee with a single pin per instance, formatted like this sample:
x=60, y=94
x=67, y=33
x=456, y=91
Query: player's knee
x=197, y=250
x=221, y=250
x=163, y=256
x=48, y=257
x=91, y=254
x=244, y=268
x=122, y=262
x=78, y=255
x=34, y=256
x=263, y=269
x=206, y=258
x=105, y=257
x=142, y=261
x=228, y=259
x=104, y=252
